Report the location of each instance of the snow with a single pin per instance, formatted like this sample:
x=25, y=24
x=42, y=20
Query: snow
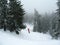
x=25, y=38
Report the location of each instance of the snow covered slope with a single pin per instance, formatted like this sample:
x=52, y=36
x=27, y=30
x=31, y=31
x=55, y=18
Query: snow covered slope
x=25, y=38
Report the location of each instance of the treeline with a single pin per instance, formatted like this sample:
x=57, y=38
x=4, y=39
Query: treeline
x=50, y=22
x=11, y=15
x=47, y=23
x=28, y=18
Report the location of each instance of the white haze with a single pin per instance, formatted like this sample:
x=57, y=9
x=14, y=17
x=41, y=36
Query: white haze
x=41, y=5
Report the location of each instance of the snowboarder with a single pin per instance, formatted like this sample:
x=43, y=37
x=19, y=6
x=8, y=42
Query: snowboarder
x=28, y=30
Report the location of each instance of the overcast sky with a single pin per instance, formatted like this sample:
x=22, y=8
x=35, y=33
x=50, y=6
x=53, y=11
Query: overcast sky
x=41, y=5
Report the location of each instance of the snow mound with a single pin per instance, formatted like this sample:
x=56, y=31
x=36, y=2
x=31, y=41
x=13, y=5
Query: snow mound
x=24, y=38
x=34, y=36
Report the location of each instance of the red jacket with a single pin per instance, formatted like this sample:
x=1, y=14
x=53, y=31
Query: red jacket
x=28, y=30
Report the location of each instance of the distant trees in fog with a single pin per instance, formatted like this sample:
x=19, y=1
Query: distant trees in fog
x=46, y=23
x=50, y=22
x=28, y=18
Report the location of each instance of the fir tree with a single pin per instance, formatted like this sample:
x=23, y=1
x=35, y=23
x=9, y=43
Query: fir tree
x=3, y=6
x=58, y=3
x=37, y=23
x=58, y=11
x=56, y=33
x=16, y=13
x=11, y=15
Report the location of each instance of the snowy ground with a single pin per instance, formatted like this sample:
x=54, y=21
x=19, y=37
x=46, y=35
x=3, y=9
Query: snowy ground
x=24, y=38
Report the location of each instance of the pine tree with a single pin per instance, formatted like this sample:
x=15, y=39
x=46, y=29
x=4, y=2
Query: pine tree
x=0, y=14
x=16, y=13
x=3, y=6
x=58, y=29
x=56, y=33
x=11, y=15
x=58, y=14
x=37, y=23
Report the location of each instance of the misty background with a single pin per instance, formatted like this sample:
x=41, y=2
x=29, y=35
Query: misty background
x=41, y=5
x=43, y=15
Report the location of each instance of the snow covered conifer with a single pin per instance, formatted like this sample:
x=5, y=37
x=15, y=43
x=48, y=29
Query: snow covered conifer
x=37, y=23
x=56, y=33
x=3, y=12
x=16, y=13
x=58, y=3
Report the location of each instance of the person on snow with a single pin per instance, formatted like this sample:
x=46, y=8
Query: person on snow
x=28, y=30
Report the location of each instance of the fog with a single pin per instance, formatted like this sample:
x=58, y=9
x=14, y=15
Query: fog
x=41, y=5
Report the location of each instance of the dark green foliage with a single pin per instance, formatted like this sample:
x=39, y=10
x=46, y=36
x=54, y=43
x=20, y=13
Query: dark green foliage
x=17, y=32
x=58, y=11
x=17, y=12
x=3, y=6
x=22, y=26
x=55, y=32
x=58, y=3
x=4, y=27
x=11, y=15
